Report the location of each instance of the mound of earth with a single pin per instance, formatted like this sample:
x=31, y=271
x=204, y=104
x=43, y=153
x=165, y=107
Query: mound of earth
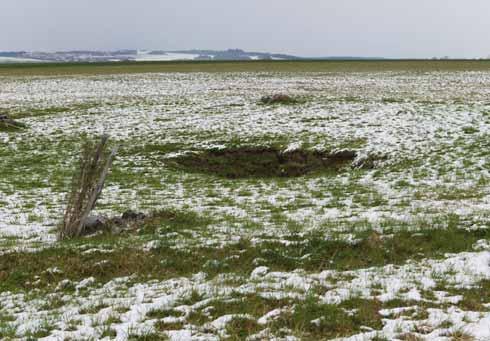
x=128, y=220
x=262, y=162
x=278, y=99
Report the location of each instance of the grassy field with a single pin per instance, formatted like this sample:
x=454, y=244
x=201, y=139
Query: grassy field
x=48, y=69
x=357, y=211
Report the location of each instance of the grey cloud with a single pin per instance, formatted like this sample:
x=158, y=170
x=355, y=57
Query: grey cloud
x=417, y=28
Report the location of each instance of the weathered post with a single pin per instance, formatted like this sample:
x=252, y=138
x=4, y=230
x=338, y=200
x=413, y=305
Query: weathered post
x=88, y=182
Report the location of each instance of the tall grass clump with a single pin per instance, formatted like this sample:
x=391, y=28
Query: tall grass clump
x=87, y=184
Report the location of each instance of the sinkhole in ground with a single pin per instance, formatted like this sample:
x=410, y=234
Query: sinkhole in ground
x=262, y=162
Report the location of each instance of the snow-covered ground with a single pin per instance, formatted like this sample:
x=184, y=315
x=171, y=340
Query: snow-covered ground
x=427, y=132
x=169, y=56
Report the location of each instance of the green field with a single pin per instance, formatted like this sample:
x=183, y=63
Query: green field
x=243, y=66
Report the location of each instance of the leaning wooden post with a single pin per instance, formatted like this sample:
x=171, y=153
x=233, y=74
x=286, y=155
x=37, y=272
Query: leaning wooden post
x=87, y=187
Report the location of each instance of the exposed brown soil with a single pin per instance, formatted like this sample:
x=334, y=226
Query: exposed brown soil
x=262, y=162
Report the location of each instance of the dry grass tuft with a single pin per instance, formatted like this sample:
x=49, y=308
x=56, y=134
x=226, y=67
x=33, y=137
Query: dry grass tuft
x=461, y=336
x=410, y=337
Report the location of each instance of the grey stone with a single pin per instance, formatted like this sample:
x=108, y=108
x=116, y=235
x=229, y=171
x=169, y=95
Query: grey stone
x=94, y=223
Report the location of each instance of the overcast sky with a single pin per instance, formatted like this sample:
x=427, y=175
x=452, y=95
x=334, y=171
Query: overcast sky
x=391, y=28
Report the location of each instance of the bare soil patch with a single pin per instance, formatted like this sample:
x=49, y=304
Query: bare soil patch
x=262, y=162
